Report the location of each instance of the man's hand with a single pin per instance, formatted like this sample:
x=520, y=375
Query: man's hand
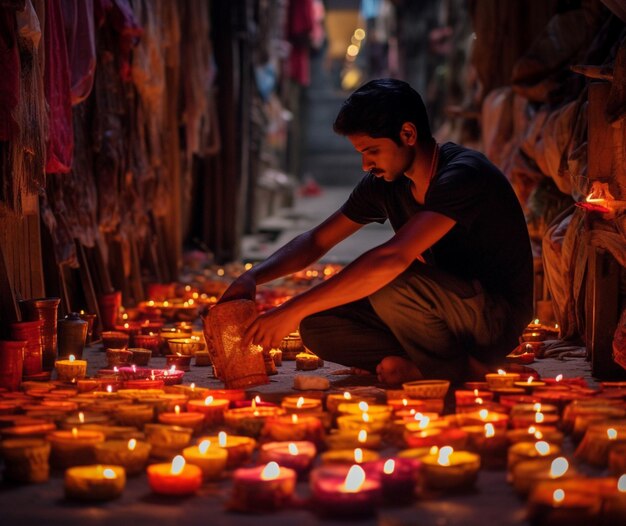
x=271, y=327
x=243, y=288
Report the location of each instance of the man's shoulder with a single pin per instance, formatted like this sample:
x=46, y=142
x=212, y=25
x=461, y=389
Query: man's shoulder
x=456, y=157
x=456, y=154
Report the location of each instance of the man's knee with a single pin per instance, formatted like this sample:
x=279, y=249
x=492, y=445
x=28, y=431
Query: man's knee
x=404, y=293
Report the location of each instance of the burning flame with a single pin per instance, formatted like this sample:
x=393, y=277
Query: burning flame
x=543, y=448
x=538, y=435
x=354, y=479
x=433, y=450
x=81, y=418
x=108, y=473
x=177, y=410
x=532, y=430
x=178, y=464
x=300, y=402
x=444, y=456
x=489, y=431
x=208, y=400
x=271, y=471
x=257, y=399
x=132, y=444
x=222, y=438
x=204, y=446
x=72, y=358
x=478, y=401
x=537, y=407
x=389, y=466
x=611, y=433
x=358, y=455
x=362, y=436
x=558, y=496
x=423, y=420
x=483, y=414
x=134, y=368
x=173, y=369
x=193, y=386
x=621, y=484
x=476, y=392
x=294, y=418
x=347, y=395
x=539, y=418
x=530, y=380
x=501, y=371
x=365, y=417
x=293, y=449
x=109, y=388
x=599, y=193
x=558, y=378
x=363, y=406
x=559, y=467
x=405, y=402
x=115, y=369
x=74, y=432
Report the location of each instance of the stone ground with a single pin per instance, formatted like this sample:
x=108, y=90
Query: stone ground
x=491, y=502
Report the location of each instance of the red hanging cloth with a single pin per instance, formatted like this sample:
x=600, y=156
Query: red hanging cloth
x=60, y=143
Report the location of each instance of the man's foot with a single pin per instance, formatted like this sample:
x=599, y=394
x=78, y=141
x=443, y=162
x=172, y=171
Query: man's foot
x=394, y=370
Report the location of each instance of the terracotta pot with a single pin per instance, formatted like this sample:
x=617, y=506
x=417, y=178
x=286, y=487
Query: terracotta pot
x=44, y=309
x=110, y=305
x=30, y=331
x=114, y=340
x=118, y=357
x=11, y=364
x=90, y=319
x=147, y=341
x=160, y=291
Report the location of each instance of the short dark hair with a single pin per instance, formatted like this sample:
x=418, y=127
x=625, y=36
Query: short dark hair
x=380, y=108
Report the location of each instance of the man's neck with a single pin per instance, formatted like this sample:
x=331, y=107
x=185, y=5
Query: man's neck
x=421, y=170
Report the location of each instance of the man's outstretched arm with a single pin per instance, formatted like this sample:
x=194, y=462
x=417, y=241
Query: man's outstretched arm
x=364, y=276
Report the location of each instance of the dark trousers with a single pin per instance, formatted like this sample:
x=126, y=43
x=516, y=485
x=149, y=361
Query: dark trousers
x=426, y=315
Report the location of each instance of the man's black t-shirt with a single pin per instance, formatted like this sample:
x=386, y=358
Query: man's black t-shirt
x=489, y=241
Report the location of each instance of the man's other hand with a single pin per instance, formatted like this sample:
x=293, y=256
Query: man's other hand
x=271, y=327
x=243, y=288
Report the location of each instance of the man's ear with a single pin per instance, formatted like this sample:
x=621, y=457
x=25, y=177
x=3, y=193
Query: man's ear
x=408, y=134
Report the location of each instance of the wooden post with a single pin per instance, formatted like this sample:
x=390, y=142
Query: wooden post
x=601, y=304
x=601, y=312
